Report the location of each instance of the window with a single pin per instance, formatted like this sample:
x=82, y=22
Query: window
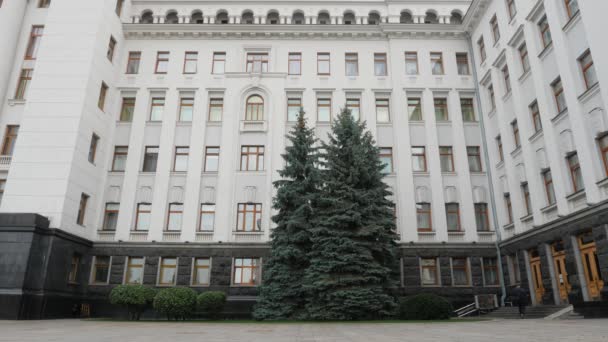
x=354, y=105
x=558, y=94
x=507, y=78
x=441, y=109
x=511, y=8
x=352, y=64
x=212, y=159
x=92, y=148
x=418, y=159
x=219, y=63
x=323, y=63
x=257, y=62
x=386, y=158
x=492, y=97
x=474, y=157
x=202, y=272
x=162, y=63
x=74, y=265
x=254, y=110
x=490, y=272
x=82, y=208
x=462, y=63
x=588, y=69
x=481, y=45
x=467, y=109
x=429, y=272
x=180, y=164
x=516, y=139
x=495, y=30
x=207, y=219
x=249, y=217
x=34, y=43
x=603, y=144
x=414, y=108
x=509, y=207
x=10, y=138
x=167, y=272
x=119, y=4
x=216, y=109
x=437, y=63
x=446, y=158
x=549, y=191
x=186, y=108
x=482, y=220
x=423, y=217
x=135, y=271
x=323, y=110
x=500, y=149
x=44, y=3
x=295, y=63
x=101, y=103
x=380, y=64
x=157, y=108
x=252, y=158
x=119, y=163
x=575, y=172
x=174, y=217
x=127, y=109
x=2, y=186
x=142, y=216
x=133, y=62
x=571, y=7
x=525, y=191
x=150, y=159
x=190, y=62
x=110, y=216
x=460, y=272
x=111, y=48
x=382, y=111
x=411, y=63
x=538, y=126
x=246, y=271
x=452, y=213
x=101, y=270
x=545, y=32
x=293, y=109
x=523, y=57
x=23, y=85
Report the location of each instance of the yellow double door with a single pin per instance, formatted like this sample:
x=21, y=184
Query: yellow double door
x=591, y=267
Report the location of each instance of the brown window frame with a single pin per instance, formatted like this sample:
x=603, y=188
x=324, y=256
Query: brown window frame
x=139, y=211
x=25, y=77
x=543, y=25
x=411, y=56
x=495, y=29
x=324, y=105
x=74, y=268
x=516, y=136
x=487, y=268
x=469, y=104
x=257, y=59
x=134, y=57
x=525, y=190
x=434, y=269
x=451, y=211
x=160, y=58
x=507, y=79
x=481, y=45
x=108, y=210
x=602, y=143
x=103, y=92
x=254, y=111
x=464, y=267
x=179, y=152
x=148, y=151
x=243, y=209
x=255, y=150
x=254, y=271
x=10, y=139
x=93, y=148
x=492, y=97
x=426, y=212
x=474, y=154
x=295, y=104
x=524, y=57
x=354, y=103
x=156, y=102
x=410, y=110
x=44, y=3
x=294, y=57
x=119, y=6
x=162, y=267
x=321, y=59
x=501, y=153
x=120, y=150
x=558, y=90
x=186, y=102
x=462, y=59
x=587, y=66
x=127, y=103
x=447, y=151
x=481, y=212
x=387, y=152
x=548, y=185
x=509, y=207
x=569, y=9
x=382, y=60
x=210, y=152
x=36, y=33
x=97, y=266
x=536, y=120
x=131, y=265
x=511, y=8
x=383, y=103
x=437, y=57
x=218, y=57
x=216, y=102
x=351, y=58
x=82, y=208
x=202, y=212
x=441, y=102
x=423, y=156
x=174, y=208
x=195, y=271
x=111, y=49
x=188, y=59
x=574, y=168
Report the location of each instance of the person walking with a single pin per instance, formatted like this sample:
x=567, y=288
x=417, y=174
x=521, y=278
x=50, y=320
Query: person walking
x=521, y=295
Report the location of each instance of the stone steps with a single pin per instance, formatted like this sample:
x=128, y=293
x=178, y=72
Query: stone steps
x=532, y=312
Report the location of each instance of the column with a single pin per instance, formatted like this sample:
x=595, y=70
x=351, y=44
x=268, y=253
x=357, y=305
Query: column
x=576, y=293
x=600, y=236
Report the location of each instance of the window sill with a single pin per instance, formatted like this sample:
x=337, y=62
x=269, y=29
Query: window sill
x=602, y=183
x=16, y=102
x=500, y=164
x=526, y=218
x=585, y=96
x=210, y=173
x=115, y=172
x=123, y=123
x=147, y=173
x=243, y=285
x=99, y=284
x=507, y=96
x=444, y=123
x=507, y=226
x=546, y=51
x=251, y=173
x=536, y=135
x=200, y=285
x=478, y=173
x=154, y=123
x=560, y=116
x=471, y=123
x=524, y=76
x=384, y=124
x=516, y=152
x=73, y=283
x=513, y=18
x=549, y=208
x=165, y=285
x=421, y=173
x=184, y=123
x=449, y=173
x=576, y=195
x=572, y=21
x=178, y=173
x=492, y=112
x=214, y=123
x=416, y=123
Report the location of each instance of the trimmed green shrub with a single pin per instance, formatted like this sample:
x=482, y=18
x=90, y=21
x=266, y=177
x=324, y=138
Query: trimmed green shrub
x=176, y=302
x=424, y=307
x=212, y=303
x=134, y=297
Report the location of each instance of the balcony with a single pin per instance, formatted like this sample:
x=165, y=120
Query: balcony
x=204, y=237
x=171, y=236
x=5, y=162
x=486, y=237
x=247, y=236
x=424, y=237
x=456, y=237
x=138, y=236
x=253, y=126
x=105, y=235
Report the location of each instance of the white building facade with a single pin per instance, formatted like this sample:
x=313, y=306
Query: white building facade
x=149, y=132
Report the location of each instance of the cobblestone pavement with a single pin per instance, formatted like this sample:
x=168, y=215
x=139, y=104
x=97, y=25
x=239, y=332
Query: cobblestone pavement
x=498, y=330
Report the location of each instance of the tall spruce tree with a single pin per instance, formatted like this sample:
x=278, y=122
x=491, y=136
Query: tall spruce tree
x=353, y=258
x=282, y=294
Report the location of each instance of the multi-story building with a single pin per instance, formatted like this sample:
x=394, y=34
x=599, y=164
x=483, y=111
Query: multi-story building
x=141, y=139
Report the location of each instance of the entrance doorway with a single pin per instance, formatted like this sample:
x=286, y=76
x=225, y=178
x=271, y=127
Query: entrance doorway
x=537, y=277
x=591, y=265
x=561, y=275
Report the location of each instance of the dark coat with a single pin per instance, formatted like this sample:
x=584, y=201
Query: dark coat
x=520, y=295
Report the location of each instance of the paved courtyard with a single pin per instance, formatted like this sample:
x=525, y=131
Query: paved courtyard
x=499, y=330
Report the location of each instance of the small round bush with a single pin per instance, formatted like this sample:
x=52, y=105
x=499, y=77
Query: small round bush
x=424, y=307
x=134, y=297
x=212, y=303
x=177, y=302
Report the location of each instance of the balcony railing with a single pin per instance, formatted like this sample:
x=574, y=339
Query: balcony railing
x=105, y=235
x=5, y=162
x=247, y=236
x=486, y=236
x=204, y=236
x=171, y=236
x=138, y=236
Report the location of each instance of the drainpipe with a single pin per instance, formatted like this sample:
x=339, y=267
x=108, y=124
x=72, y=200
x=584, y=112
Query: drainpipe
x=486, y=157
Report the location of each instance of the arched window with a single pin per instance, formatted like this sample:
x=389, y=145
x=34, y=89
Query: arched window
x=147, y=17
x=298, y=18
x=247, y=17
x=349, y=18
x=272, y=18
x=171, y=18
x=254, y=110
x=406, y=18
x=373, y=18
x=197, y=17
x=323, y=18
x=456, y=18
x=222, y=18
x=431, y=18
